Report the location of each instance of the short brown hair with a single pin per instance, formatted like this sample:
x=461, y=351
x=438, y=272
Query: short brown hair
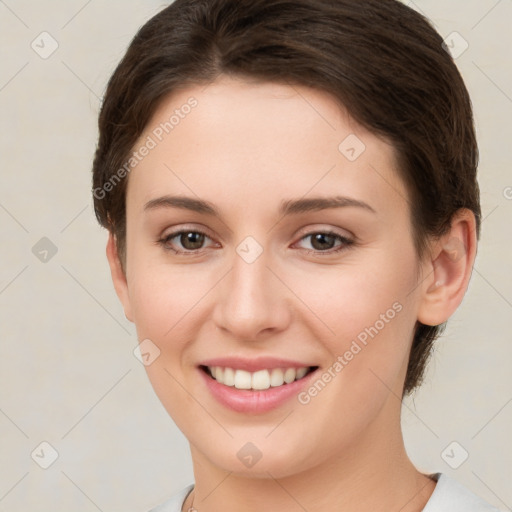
x=380, y=59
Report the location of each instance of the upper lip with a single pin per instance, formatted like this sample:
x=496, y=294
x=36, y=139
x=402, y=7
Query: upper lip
x=254, y=364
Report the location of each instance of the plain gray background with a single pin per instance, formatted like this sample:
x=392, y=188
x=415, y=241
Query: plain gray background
x=68, y=375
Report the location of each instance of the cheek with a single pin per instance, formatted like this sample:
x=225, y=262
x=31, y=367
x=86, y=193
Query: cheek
x=347, y=299
x=164, y=304
x=154, y=300
x=169, y=304
x=383, y=316
x=366, y=315
x=160, y=298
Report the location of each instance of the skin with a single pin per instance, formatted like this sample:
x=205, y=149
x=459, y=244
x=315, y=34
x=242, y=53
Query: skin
x=245, y=147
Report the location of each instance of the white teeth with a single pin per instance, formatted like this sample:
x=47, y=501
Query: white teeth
x=242, y=379
x=228, y=378
x=276, y=377
x=260, y=380
x=289, y=375
x=301, y=372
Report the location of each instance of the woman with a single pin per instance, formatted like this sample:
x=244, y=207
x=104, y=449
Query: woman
x=290, y=190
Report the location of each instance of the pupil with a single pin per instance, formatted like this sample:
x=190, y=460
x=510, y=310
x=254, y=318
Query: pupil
x=192, y=240
x=322, y=237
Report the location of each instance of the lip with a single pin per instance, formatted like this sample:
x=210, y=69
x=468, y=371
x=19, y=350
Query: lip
x=256, y=402
x=254, y=364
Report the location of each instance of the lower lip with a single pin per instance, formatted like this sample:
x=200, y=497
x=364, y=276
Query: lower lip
x=249, y=401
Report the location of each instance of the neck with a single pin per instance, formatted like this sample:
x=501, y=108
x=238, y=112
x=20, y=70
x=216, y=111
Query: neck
x=374, y=473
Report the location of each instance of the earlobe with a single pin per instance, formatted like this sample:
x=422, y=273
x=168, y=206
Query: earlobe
x=449, y=270
x=118, y=276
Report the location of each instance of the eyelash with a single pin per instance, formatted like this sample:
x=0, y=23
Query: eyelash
x=346, y=242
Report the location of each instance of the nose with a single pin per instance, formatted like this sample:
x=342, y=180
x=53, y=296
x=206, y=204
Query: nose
x=251, y=302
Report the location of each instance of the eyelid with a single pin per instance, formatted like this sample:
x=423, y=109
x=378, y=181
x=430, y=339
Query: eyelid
x=178, y=228
x=322, y=228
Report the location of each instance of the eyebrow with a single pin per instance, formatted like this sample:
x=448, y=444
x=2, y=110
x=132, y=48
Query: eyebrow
x=288, y=207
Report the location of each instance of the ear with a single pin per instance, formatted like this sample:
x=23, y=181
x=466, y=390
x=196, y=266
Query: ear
x=448, y=270
x=118, y=276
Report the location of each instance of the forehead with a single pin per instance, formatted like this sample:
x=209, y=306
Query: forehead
x=238, y=139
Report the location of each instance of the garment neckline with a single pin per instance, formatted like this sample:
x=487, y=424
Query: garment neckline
x=433, y=476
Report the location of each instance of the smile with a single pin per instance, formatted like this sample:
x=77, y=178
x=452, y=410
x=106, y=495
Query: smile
x=259, y=380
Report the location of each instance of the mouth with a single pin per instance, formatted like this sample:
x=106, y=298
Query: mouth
x=260, y=380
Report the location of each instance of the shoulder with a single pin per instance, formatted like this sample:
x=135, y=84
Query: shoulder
x=451, y=496
x=175, y=502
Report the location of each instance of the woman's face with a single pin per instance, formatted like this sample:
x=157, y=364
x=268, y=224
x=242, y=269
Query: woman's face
x=308, y=258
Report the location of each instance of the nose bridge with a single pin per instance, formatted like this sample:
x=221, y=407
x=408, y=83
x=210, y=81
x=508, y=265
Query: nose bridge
x=250, y=300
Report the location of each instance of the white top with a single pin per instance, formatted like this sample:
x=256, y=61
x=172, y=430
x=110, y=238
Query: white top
x=448, y=496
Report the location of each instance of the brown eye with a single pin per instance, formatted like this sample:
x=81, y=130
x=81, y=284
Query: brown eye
x=184, y=241
x=191, y=240
x=323, y=242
